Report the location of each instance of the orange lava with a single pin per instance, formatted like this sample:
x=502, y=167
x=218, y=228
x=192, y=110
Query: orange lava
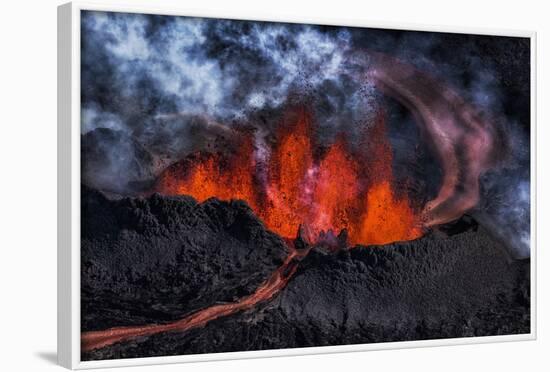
x=208, y=177
x=336, y=190
x=337, y=194
x=284, y=208
x=383, y=225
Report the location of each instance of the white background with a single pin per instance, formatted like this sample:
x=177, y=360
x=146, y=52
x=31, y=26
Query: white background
x=28, y=183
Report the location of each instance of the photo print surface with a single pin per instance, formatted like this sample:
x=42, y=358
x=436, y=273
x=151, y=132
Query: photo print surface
x=255, y=185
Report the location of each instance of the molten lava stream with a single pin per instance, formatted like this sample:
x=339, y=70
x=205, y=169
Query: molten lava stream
x=99, y=339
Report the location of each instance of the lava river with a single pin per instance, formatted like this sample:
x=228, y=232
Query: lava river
x=98, y=339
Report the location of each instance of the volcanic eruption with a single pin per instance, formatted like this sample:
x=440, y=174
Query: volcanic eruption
x=330, y=192
x=336, y=205
x=319, y=194
x=315, y=197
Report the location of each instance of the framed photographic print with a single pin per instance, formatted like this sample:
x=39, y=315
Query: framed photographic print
x=235, y=187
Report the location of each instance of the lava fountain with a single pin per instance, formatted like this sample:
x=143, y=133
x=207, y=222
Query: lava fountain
x=335, y=191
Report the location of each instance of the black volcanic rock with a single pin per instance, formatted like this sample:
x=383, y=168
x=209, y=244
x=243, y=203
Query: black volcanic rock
x=457, y=282
x=156, y=259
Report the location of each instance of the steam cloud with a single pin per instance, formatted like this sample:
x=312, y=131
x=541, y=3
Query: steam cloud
x=167, y=86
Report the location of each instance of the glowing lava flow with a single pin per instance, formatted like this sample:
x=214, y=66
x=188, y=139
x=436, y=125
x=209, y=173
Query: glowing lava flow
x=99, y=339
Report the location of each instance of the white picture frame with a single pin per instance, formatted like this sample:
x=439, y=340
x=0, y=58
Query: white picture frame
x=69, y=190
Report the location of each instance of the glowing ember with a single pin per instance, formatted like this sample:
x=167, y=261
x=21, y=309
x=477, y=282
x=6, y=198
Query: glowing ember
x=338, y=191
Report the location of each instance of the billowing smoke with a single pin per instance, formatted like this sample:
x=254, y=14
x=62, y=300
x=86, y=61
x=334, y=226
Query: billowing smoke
x=156, y=88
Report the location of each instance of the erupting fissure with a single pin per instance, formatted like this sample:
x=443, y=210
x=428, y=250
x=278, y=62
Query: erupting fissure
x=329, y=193
x=336, y=190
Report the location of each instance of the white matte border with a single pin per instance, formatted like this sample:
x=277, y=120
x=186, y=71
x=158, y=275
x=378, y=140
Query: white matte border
x=69, y=187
